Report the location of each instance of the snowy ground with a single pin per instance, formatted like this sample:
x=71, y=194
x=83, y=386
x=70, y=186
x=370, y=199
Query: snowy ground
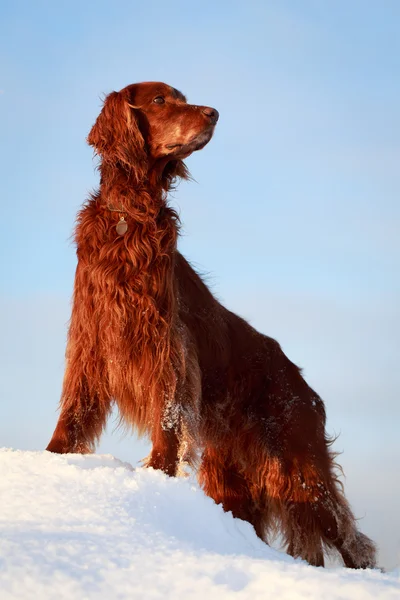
x=82, y=527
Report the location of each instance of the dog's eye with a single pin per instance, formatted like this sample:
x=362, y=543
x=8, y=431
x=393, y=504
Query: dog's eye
x=159, y=100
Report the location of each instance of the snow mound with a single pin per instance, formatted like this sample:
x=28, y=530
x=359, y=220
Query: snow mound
x=83, y=527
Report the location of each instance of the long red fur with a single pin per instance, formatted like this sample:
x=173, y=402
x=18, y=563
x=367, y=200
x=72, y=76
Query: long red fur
x=147, y=334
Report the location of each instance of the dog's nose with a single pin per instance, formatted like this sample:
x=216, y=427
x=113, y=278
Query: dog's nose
x=212, y=113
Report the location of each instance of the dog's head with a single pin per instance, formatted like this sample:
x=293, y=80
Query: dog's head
x=150, y=125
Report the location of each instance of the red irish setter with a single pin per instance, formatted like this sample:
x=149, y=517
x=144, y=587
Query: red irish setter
x=147, y=334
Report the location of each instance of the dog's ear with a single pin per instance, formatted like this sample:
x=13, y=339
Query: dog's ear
x=116, y=135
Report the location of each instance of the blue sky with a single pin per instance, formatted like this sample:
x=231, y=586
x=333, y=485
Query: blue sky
x=294, y=215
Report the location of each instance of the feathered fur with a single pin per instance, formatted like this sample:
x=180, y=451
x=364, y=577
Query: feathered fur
x=147, y=334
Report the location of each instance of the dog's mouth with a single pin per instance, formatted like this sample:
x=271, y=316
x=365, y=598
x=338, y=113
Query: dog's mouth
x=196, y=143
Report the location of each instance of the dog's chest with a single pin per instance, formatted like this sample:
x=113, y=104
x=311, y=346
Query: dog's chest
x=129, y=283
x=131, y=288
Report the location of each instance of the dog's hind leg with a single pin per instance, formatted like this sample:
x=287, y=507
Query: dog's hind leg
x=329, y=522
x=315, y=514
x=222, y=480
x=339, y=530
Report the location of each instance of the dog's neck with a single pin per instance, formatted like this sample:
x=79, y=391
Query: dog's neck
x=121, y=187
x=146, y=187
x=136, y=211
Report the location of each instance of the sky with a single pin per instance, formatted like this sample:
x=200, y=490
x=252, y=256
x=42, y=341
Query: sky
x=294, y=214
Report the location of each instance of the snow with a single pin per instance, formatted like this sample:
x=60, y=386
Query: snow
x=83, y=527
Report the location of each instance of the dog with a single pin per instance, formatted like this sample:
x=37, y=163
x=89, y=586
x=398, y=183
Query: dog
x=147, y=334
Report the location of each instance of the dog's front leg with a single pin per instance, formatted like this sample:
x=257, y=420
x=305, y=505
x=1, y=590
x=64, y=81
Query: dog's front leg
x=81, y=422
x=165, y=452
x=85, y=401
x=175, y=422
